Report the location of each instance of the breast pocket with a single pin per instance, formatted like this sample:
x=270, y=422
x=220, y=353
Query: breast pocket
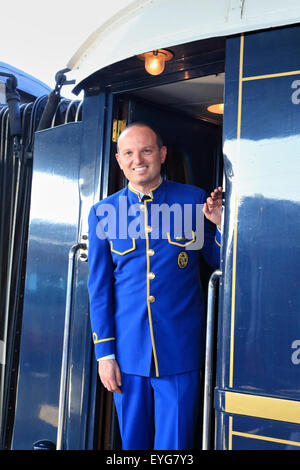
x=181, y=241
x=122, y=247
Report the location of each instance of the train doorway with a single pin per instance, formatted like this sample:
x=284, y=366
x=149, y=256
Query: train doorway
x=75, y=166
x=193, y=136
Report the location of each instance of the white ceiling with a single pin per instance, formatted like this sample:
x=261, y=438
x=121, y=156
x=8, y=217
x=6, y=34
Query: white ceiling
x=190, y=96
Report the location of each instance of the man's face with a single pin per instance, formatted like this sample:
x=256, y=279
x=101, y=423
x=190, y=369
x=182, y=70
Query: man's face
x=140, y=158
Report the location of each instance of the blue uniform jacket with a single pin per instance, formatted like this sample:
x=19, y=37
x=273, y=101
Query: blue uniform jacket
x=146, y=299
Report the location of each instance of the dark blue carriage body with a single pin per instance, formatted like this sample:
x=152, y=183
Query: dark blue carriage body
x=257, y=393
x=258, y=381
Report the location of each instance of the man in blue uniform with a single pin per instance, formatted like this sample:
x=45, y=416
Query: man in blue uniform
x=146, y=301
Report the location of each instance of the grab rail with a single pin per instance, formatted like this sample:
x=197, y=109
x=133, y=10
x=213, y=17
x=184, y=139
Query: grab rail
x=65, y=355
x=209, y=358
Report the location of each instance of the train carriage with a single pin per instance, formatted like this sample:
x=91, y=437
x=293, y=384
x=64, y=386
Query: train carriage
x=243, y=55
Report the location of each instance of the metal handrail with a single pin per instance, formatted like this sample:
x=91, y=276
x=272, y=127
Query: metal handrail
x=209, y=358
x=66, y=340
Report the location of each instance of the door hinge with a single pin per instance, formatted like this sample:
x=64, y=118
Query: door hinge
x=83, y=251
x=118, y=127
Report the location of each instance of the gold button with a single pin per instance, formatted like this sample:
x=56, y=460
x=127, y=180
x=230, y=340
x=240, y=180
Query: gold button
x=151, y=299
x=142, y=207
x=151, y=275
x=148, y=229
x=150, y=252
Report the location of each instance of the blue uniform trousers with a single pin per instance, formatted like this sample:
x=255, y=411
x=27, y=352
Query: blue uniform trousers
x=158, y=413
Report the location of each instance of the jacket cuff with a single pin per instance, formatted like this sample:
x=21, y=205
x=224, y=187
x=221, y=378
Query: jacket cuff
x=218, y=236
x=104, y=347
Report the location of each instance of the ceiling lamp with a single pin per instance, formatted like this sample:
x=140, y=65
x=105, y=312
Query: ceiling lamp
x=216, y=108
x=155, y=60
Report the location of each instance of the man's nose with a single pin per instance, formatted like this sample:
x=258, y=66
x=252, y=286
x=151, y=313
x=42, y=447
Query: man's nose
x=137, y=157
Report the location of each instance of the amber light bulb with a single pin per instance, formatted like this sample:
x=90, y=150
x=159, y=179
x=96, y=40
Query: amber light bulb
x=155, y=60
x=154, y=63
x=216, y=108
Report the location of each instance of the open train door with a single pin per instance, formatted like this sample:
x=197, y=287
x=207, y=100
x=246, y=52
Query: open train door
x=54, y=393
x=257, y=395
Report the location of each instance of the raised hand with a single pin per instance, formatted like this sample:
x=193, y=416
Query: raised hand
x=212, y=208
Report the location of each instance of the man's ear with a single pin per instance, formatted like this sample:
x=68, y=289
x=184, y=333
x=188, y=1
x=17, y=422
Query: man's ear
x=163, y=154
x=117, y=158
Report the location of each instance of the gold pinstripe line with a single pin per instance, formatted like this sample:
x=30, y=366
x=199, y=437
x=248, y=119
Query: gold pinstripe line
x=271, y=75
x=265, y=438
x=255, y=436
x=236, y=216
x=230, y=434
x=240, y=87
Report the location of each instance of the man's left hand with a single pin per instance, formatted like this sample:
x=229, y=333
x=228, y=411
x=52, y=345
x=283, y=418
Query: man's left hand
x=212, y=208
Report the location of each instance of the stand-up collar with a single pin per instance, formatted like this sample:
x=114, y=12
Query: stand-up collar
x=152, y=193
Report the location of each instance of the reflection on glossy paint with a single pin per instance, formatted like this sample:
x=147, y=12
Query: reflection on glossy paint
x=268, y=167
x=53, y=230
x=49, y=414
x=55, y=193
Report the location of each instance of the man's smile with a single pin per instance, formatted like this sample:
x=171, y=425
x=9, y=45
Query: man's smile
x=140, y=168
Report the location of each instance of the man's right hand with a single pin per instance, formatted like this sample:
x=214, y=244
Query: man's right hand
x=110, y=374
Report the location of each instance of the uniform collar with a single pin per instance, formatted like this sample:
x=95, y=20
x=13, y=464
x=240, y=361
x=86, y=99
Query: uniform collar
x=140, y=194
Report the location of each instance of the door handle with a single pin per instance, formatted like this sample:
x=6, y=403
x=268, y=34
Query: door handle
x=66, y=340
x=209, y=358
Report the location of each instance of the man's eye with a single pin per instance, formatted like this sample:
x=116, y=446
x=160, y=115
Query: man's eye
x=147, y=151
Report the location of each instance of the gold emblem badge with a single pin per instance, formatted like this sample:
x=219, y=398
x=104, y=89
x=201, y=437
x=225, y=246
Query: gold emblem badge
x=182, y=259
